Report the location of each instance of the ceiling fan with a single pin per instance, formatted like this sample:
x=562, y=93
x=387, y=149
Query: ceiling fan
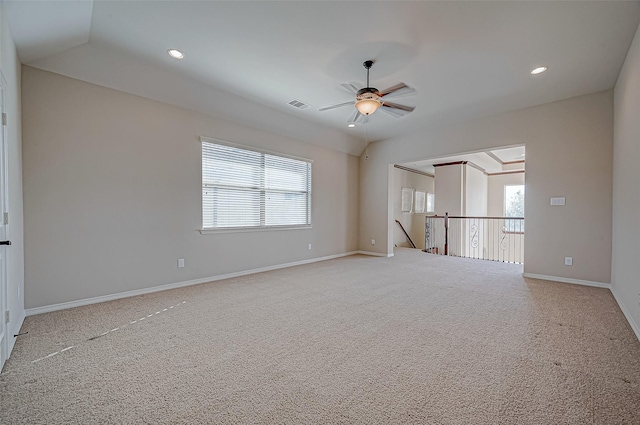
x=370, y=99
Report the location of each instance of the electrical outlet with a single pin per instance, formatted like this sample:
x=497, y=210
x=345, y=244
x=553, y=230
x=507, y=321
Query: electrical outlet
x=180, y=263
x=568, y=261
x=309, y=247
x=373, y=241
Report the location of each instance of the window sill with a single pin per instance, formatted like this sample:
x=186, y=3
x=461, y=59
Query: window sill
x=251, y=229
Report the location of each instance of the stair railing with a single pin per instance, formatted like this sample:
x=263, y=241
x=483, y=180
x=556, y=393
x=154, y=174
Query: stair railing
x=406, y=234
x=486, y=238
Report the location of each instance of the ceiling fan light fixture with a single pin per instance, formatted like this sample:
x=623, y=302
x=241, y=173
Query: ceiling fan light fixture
x=367, y=106
x=368, y=100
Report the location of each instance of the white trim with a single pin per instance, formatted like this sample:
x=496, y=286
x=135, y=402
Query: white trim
x=375, y=254
x=7, y=343
x=251, y=148
x=213, y=230
x=127, y=294
x=632, y=323
x=568, y=280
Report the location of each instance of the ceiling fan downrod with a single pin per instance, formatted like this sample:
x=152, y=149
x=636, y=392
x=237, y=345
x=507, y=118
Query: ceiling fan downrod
x=368, y=64
x=368, y=98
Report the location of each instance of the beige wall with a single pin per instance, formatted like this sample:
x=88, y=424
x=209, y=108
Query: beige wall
x=112, y=195
x=412, y=222
x=569, y=153
x=495, y=199
x=625, y=276
x=475, y=191
x=461, y=190
x=10, y=65
x=448, y=189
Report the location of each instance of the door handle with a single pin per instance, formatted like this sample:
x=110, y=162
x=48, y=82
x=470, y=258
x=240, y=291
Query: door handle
x=5, y=242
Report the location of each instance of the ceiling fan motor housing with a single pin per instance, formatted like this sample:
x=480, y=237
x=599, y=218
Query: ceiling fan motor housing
x=368, y=93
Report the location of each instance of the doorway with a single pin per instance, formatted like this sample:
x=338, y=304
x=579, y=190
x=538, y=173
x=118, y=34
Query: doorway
x=484, y=219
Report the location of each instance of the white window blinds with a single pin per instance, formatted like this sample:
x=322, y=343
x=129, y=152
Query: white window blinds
x=244, y=188
x=407, y=200
x=420, y=201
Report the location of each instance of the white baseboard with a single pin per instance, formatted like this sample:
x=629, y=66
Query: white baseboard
x=375, y=254
x=111, y=297
x=632, y=323
x=568, y=280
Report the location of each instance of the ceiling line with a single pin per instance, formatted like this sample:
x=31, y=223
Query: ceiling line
x=506, y=172
x=411, y=170
x=493, y=156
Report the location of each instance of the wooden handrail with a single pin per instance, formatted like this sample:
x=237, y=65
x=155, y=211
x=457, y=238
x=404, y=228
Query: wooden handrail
x=406, y=234
x=475, y=217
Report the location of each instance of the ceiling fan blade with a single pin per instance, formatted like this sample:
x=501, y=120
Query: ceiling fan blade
x=400, y=89
x=396, y=110
x=350, y=87
x=339, y=105
x=398, y=106
x=395, y=113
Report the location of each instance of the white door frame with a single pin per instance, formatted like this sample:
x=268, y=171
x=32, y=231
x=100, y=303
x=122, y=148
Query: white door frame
x=4, y=336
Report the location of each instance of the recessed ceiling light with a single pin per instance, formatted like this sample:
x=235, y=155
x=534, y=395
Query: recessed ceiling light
x=351, y=125
x=176, y=54
x=539, y=70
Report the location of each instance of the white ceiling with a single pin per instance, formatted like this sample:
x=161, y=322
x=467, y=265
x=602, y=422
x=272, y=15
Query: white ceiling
x=246, y=60
x=491, y=161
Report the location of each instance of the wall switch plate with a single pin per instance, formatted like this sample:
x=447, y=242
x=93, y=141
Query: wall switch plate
x=557, y=201
x=373, y=241
x=309, y=247
x=180, y=263
x=568, y=261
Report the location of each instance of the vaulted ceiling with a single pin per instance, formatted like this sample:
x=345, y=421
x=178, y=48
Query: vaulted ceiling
x=245, y=61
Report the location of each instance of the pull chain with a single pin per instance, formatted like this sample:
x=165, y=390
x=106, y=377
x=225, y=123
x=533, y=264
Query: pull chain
x=366, y=140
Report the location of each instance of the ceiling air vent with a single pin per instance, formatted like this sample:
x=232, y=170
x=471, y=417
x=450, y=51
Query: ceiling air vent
x=298, y=104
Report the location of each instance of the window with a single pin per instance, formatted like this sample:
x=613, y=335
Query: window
x=407, y=200
x=420, y=201
x=243, y=189
x=514, y=207
x=431, y=202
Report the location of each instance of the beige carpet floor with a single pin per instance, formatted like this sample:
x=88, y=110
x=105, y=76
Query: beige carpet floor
x=414, y=339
